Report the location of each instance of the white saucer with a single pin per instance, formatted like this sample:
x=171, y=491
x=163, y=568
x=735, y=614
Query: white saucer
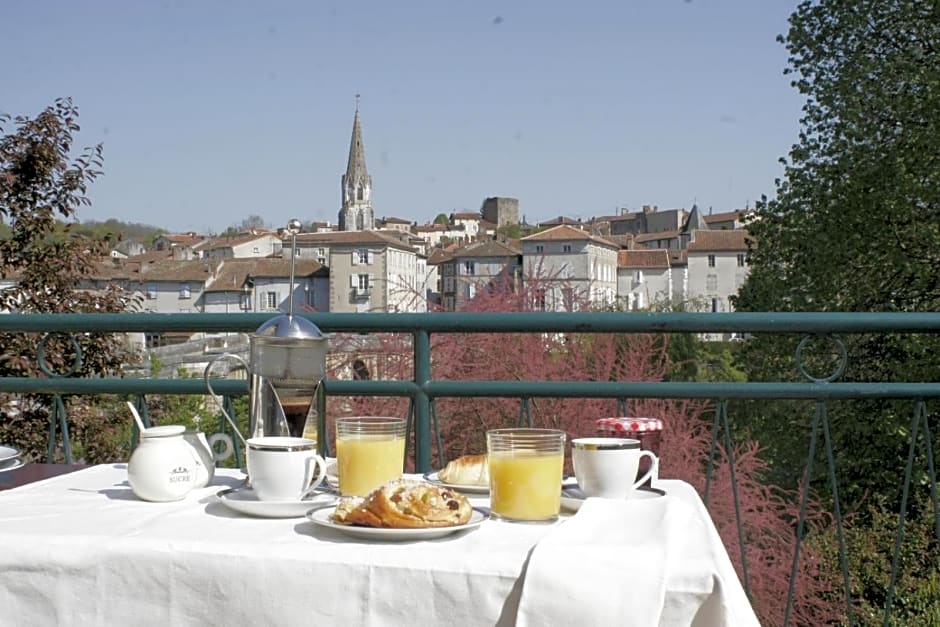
x=7, y=453
x=11, y=464
x=572, y=497
x=324, y=518
x=245, y=501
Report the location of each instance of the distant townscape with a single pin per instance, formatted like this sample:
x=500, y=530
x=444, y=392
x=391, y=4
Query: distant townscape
x=671, y=258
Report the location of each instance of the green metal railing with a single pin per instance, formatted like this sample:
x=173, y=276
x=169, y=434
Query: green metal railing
x=423, y=389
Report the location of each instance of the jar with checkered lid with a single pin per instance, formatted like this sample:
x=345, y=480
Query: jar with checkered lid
x=647, y=430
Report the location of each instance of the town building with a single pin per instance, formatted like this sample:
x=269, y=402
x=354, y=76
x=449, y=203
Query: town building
x=568, y=267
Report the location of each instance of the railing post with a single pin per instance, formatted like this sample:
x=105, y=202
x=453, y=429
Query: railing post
x=422, y=347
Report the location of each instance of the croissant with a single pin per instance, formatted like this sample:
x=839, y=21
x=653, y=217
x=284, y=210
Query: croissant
x=466, y=470
x=405, y=504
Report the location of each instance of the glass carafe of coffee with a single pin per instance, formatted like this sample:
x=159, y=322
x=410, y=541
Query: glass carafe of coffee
x=287, y=362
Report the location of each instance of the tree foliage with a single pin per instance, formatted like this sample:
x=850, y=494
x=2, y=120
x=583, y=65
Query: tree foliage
x=854, y=226
x=40, y=186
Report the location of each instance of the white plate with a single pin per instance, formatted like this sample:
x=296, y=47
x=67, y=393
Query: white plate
x=245, y=501
x=11, y=464
x=432, y=477
x=7, y=453
x=572, y=497
x=324, y=518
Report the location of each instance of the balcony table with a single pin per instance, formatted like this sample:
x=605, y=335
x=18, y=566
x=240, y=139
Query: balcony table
x=81, y=549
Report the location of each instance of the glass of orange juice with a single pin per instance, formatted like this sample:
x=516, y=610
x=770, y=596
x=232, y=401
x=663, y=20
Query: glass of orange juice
x=526, y=466
x=369, y=452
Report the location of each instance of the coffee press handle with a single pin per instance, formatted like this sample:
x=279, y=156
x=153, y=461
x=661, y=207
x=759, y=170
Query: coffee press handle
x=227, y=447
x=205, y=376
x=653, y=469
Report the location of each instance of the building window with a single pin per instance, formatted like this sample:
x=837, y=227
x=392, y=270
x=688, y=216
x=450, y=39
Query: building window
x=359, y=193
x=321, y=252
x=711, y=261
x=740, y=260
x=362, y=256
x=715, y=305
x=321, y=261
x=711, y=282
x=184, y=290
x=270, y=300
x=539, y=248
x=469, y=267
x=362, y=282
x=566, y=248
x=469, y=290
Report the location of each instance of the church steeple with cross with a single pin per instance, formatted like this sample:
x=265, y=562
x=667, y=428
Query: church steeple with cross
x=356, y=213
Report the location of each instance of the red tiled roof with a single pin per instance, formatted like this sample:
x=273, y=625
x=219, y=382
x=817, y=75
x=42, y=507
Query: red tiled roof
x=565, y=232
x=643, y=258
x=341, y=238
x=725, y=240
x=727, y=216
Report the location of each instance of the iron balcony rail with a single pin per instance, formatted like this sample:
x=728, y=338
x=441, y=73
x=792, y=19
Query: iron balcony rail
x=423, y=388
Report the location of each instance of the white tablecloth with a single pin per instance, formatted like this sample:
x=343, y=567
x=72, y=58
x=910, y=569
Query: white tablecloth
x=80, y=549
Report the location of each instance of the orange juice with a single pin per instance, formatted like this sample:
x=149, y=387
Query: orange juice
x=364, y=462
x=525, y=485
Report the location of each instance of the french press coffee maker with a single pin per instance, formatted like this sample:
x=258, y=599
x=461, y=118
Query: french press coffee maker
x=287, y=362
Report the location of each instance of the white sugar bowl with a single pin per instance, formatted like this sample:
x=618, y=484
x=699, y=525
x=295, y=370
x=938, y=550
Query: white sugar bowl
x=163, y=466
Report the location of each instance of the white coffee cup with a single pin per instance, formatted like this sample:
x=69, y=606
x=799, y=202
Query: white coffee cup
x=607, y=467
x=283, y=468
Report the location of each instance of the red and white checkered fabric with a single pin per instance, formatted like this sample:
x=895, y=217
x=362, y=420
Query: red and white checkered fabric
x=629, y=425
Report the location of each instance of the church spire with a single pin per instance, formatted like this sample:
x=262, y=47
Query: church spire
x=356, y=166
x=356, y=213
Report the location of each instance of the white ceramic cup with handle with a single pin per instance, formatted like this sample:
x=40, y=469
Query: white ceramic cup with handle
x=284, y=468
x=607, y=467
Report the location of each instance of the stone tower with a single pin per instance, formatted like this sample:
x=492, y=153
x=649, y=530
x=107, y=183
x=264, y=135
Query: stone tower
x=356, y=213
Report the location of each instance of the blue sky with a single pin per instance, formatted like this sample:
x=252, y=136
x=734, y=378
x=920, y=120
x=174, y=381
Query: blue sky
x=213, y=111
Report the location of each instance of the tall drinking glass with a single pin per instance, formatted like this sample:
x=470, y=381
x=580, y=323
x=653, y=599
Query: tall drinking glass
x=526, y=468
x=369, y=452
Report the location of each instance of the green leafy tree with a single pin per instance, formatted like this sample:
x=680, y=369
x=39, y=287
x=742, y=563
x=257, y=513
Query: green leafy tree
x=40, y=183
x=854, y=226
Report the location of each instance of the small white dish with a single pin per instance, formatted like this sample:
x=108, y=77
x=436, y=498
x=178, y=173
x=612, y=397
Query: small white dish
x=11, y=464
x=434, y=477
x=572, y=497
x=245, y=501
x=7, y=453
x=324, y=518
